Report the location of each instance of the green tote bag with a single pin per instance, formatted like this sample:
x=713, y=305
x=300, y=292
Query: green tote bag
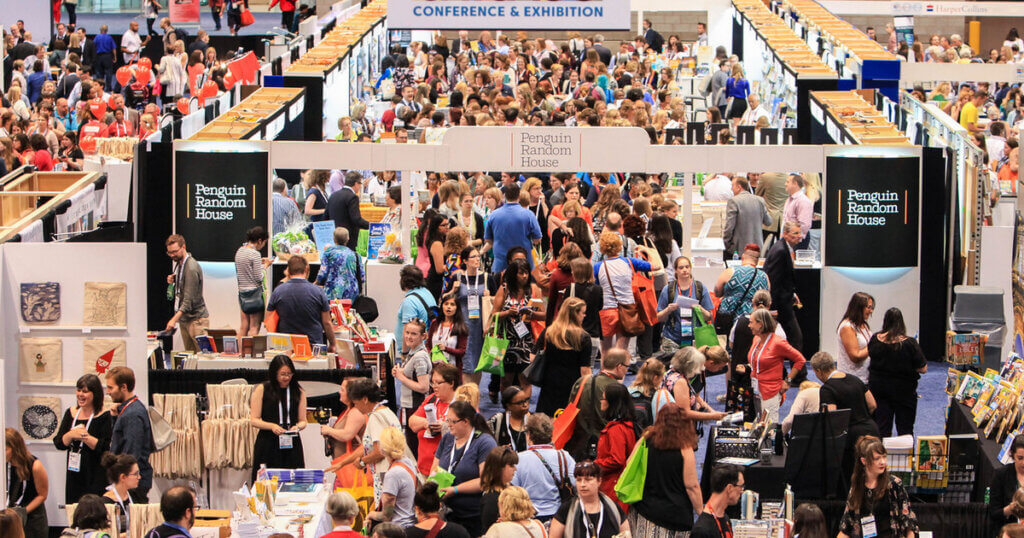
x=703, y=332
x=630, y=487
x=492, y=355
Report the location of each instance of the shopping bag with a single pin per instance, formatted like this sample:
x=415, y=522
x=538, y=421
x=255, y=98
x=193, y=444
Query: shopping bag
x=492, y=354
x=630, y=487
x=362, y=492
x=644, y=297
x=436, y=355
x=442, y=478
x=246, y=18
x=565, y=422
x=703, y=332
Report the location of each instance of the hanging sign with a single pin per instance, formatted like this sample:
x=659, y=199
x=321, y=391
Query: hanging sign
x=518, y=15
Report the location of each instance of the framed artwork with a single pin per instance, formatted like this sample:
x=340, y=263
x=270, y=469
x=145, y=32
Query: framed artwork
x=40, y=360
x=105, y=304
x=40, y=302
x=39, y=416
x=102, y=354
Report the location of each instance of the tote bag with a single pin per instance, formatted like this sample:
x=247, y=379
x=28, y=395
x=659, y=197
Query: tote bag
x=565, y=422
x=630, y=487
x=703, y=332
x=246, y=18
x=492, y=354
x=644, y=297
x=362, y=492
x=629, y=317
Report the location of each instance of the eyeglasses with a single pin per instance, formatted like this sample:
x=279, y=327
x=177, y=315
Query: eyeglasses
x=136, y=473
x=454, y=422
x=435, y=382
x=173, y=252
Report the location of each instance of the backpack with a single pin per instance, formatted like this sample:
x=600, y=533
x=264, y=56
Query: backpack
x=431, y=310
x=566, y=491
x=698, y=291
x=642, y=408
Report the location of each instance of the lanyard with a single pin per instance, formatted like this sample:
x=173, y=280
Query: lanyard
x=476, y=284
x=126, y=404
x=177, y=278
x=508, y=427
x=452, y=463
x=757, y=356
x=727, y=533
x=87, y=424
x=285, y=410
x=591, y=530
x=10, y=480
x=124, y=504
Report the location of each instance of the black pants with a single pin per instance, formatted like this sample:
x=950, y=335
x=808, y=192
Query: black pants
x=286, y=20
x=215, y=12
x=787, y=318
x=72, y=17
x=104, y=69
x=897, y=401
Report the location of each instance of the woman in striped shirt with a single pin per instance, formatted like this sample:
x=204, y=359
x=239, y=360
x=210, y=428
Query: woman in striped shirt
x=250, y=268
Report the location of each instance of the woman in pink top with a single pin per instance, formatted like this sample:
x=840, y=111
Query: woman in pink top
x=767, y=355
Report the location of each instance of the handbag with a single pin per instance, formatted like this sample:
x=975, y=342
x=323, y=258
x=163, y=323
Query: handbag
x=724, y=320
x=630, y=486
x=565, y=423
x=436, y=355
x=492, y=354
x=534, y=373
x=644, y=297
x=163, y=433
x=246, y=18
x=629, y=317
x=703, y=332
x=251, y=300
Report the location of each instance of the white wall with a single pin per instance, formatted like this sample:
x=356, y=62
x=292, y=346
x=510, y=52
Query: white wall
x=996, y=270
x=71, y=264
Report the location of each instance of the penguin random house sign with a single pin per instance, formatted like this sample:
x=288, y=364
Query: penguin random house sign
x=539, y=150
x=219, y=196
x=514, y=15
x=871, y=216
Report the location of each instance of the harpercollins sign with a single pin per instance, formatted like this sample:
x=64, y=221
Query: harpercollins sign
x=925, y=9
x=514, y=15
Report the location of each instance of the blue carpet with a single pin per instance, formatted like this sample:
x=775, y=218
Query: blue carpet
x=931, y=407
x=118, y=23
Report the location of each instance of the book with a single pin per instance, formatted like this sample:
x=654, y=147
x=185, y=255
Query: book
x=963, y=457
x=931, y=453
x=964, y=349
x=301, y=349
x=988, y=388
x=206, y=344
x=970, y=388
x=279, y=342
x=247, y=345
x=954, y=378
x=230, y=346
x=259, y=346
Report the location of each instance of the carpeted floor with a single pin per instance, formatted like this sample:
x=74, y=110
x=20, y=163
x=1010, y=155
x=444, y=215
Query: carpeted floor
x=118, y=23
x=931, y=406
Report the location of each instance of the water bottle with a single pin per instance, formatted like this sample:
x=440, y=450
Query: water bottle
x=988, y=494
x=735, y=255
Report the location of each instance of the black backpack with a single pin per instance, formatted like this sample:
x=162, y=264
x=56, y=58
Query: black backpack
x=642, y=408
x=432, y=311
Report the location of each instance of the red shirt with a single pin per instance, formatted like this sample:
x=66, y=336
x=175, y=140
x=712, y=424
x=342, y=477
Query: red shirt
x=613, y=449
x=121, y=128
x=428, y=445
x=343, y=534
x=43, y=161
x=766, y=362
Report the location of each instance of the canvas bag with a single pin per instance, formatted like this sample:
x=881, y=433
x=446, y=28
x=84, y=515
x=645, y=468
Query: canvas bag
x=703, y=332
x=492, y=354
x=630, y=487
x=644, y=297
x=101, y=354
x=105, y=304
x=565, y=422
x=163, y=433
x=40, y=360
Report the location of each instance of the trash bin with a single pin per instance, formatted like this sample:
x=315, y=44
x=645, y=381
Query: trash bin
x=980, y=309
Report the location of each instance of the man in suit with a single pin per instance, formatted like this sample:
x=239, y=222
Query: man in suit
x=772, y=187
x=88, y=48
x=653, y=38
x=603, y=52
x=744, y=216
x=343, y=208
x=778, y=265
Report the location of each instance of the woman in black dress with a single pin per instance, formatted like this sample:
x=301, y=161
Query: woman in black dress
x=842, y=391
x=278, y=410
x=567, y=350
x=85, y=433
x=897, y=362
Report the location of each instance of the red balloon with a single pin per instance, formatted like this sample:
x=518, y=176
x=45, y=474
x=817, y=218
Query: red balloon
x=124, y=75
x=229, y=80
x=143, y=75
x=98, y=108
x=145, y=63
x=112, y=102
x=183, y=105
x=210, y=89
x=202, y=100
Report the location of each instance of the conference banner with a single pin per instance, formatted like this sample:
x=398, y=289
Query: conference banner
x=183, y=11
x=508, y=15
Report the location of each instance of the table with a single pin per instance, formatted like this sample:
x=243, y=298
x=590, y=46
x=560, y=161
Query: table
x=768, y=480
x=288, y=506
x=961, y=421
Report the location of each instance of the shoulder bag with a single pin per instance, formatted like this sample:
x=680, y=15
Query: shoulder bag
x=565, y=423
x=251, y=301
x=629, y=317
x=163, y=433
x=724, y=320
x=644, y=296
x=562, y=483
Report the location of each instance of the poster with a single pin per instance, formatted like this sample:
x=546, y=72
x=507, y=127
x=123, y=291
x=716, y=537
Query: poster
x=102, y=354
x=183, y=11
x=904, y=29
x=514, y=15
x=323, y=234
x=378, y=234
x=219, y=195
x=872, y=212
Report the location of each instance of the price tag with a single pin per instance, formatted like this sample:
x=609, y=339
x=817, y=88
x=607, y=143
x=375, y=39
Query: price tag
x=74, y=461
x=284, y=441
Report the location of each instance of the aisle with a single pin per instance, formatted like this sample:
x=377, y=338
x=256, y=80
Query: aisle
x=931, y=407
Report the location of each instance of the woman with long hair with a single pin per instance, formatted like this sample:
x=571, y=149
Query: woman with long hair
x=123, y=476
x=561, y=279
x=853, y=334
x=449, y=333
x=27, y=484
x=671, y=487
x=10, y=524
x=605, y=201
x=454, y=243
x=343, y=439
x=462, y=452
x=567, y=355
x=84, y=433
x=617, y=438
x=615, y=276
x=250, y=270
x=471, y=291
x=677, y=321
x=499, y=468
x=278, y=410
x=646, y=384
x=509, y=427
x=878, y=495
x=470, y=220
x=809, y=522
x=591, y=513
x=737, y=89
x=437, y=230
x=897, y=363
x=315, y=206
x=514, y=314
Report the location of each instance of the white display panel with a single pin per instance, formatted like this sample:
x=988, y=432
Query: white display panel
x=518, y=15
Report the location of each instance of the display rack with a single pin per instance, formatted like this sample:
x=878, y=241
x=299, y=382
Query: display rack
x=29, y=203
x=850, y=118
x=263, y=115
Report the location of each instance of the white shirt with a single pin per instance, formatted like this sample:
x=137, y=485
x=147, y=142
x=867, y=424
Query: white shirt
x=751, y=116
x=996, y=147
x=719, y=189
x=131, y=43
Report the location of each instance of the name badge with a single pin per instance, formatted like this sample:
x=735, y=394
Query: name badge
x=473, y=305
x=867, y=527
x=521, y=329
x=754, y=386
x=686, y=313
x=74, y=461
x=284, y=440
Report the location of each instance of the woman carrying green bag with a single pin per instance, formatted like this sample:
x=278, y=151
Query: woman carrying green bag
x=676, y=307
x=512, y=303
x=665, y=467
x=492, y=354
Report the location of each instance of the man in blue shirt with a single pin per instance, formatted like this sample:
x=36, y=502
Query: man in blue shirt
x=62, y=113
x=542, y=467
x=285, y=210
x=178, y=506
x=302, y=306
x=417, y=302
x=509, y=226
x=104, y=68
x=133, y=432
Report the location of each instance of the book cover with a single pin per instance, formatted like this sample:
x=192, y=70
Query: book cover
x=247, y=346
x=206, y=344
x=970, y=389
x=230, y=346
x=984, y=394
x=259, y=346
x=279, y=342
x=954, y=378
x=931, y=453
x=963, y=457
x=991, y=374
x=301, y=349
